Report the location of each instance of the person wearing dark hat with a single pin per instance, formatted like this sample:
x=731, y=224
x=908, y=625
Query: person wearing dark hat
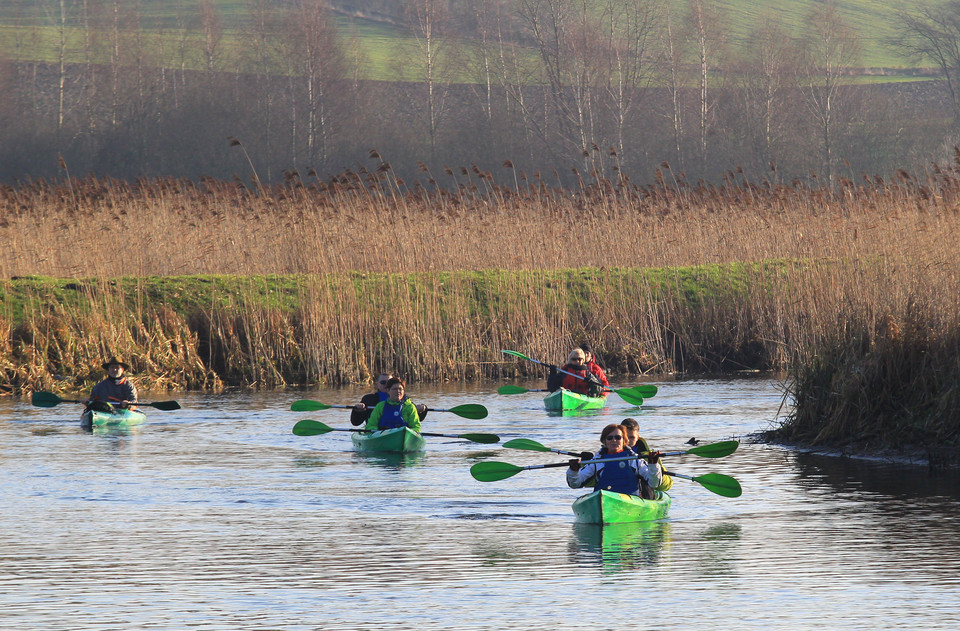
x=116, y=389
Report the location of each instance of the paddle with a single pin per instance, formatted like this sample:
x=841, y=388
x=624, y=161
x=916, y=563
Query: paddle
x=492, y=471
x=468, y=410
x=714, y=482
x=532, y=445
x=627, y=394
x=713, y=450
x=49, y=400
x=635, y=391
x=315, y=428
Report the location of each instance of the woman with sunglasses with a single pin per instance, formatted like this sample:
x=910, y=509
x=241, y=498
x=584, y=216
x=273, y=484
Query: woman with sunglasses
x=580, y=378
x=361, y=411
x=619, y=476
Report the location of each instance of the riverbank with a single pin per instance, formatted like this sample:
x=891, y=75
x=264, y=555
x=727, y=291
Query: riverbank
x=274, y=331
x=850, y=288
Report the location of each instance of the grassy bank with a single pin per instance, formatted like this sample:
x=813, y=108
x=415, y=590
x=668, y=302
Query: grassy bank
x=273, y=331
x=852, y=287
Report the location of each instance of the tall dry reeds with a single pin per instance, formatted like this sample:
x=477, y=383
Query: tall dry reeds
x=433, y=282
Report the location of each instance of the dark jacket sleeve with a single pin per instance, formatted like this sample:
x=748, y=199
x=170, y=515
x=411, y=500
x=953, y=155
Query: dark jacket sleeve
x=554, y=380
x=369, y=400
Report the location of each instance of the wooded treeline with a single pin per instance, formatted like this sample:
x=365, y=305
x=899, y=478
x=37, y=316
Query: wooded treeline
x=575, y=90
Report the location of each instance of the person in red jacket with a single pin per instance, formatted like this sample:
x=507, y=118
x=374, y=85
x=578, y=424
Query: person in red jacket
x=576, y=376
x=592, y=364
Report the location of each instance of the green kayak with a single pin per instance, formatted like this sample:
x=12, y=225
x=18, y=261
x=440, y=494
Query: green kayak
x=117, y=418
x=569, y=401
x=396, y=440
x=607, y=507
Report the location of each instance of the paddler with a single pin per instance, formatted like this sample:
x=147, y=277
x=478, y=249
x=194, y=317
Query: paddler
x=116, y=390
x=592, y=365
x=633, y=440
x=580, y=378
x=397, y=411
x=361, y=411
x=633, y=476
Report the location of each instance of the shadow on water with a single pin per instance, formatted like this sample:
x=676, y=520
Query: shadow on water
x=865, y=478
x=620, y=547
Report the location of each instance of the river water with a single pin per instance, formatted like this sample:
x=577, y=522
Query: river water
x=217, y=517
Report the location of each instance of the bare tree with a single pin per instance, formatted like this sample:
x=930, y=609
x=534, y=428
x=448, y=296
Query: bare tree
x=830, y=49
x=569, y=37
x=762, y=84
x=212, y=35
x=931, y=32
x=707, y=33
x=312, y=49
x=671, y=44
x=631, y=53
x=434, y=34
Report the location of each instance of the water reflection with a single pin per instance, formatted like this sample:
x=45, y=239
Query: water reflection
x=390, y=460
x=621, y=547
x=896, y=480
x=718, y=556
x=246, y=525
x=600, y=412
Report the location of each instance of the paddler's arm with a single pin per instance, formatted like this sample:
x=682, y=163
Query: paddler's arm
x=410, y=415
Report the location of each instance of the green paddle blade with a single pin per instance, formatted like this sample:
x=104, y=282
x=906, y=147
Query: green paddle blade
x=516, y=354
x=493, y=471
x=525, y=443
x=311, y=428
x=511, y=390
x=306, y=405
x=45, y=399
x=646, y=390
x=164, y=405
x=715, y=450
x=487, y=439
x=720, y=484
x=470, y=410
x=630, y=396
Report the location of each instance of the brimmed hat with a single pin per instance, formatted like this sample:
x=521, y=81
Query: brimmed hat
x=114, y=359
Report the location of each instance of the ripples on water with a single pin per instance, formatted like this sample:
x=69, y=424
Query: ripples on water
x=217, y=517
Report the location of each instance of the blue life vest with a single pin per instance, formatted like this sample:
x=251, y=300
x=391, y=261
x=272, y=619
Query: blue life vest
x=619, y=477
x=392, y=416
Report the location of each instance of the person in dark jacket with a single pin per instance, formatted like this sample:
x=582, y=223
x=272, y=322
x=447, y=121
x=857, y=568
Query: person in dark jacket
x=361, y=411
x=116, y=390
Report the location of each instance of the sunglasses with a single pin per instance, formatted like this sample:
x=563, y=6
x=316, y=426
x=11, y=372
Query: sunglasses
x=617, y=437
x=382, y=383
x=577, y=359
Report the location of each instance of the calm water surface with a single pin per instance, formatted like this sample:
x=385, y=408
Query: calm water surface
x=218, y=517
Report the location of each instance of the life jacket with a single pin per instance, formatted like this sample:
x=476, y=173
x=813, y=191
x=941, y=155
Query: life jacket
x=619, y=477
x=392, y=416
x=576, y=384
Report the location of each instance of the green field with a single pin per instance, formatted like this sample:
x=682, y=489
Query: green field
x=27, y=31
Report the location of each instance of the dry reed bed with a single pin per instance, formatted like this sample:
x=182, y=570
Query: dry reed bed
x=862, y=306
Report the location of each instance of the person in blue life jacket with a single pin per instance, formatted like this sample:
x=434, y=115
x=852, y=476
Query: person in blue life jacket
x=116, y=390
x=361, y=411
x=619, y=476
x=397, y=411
